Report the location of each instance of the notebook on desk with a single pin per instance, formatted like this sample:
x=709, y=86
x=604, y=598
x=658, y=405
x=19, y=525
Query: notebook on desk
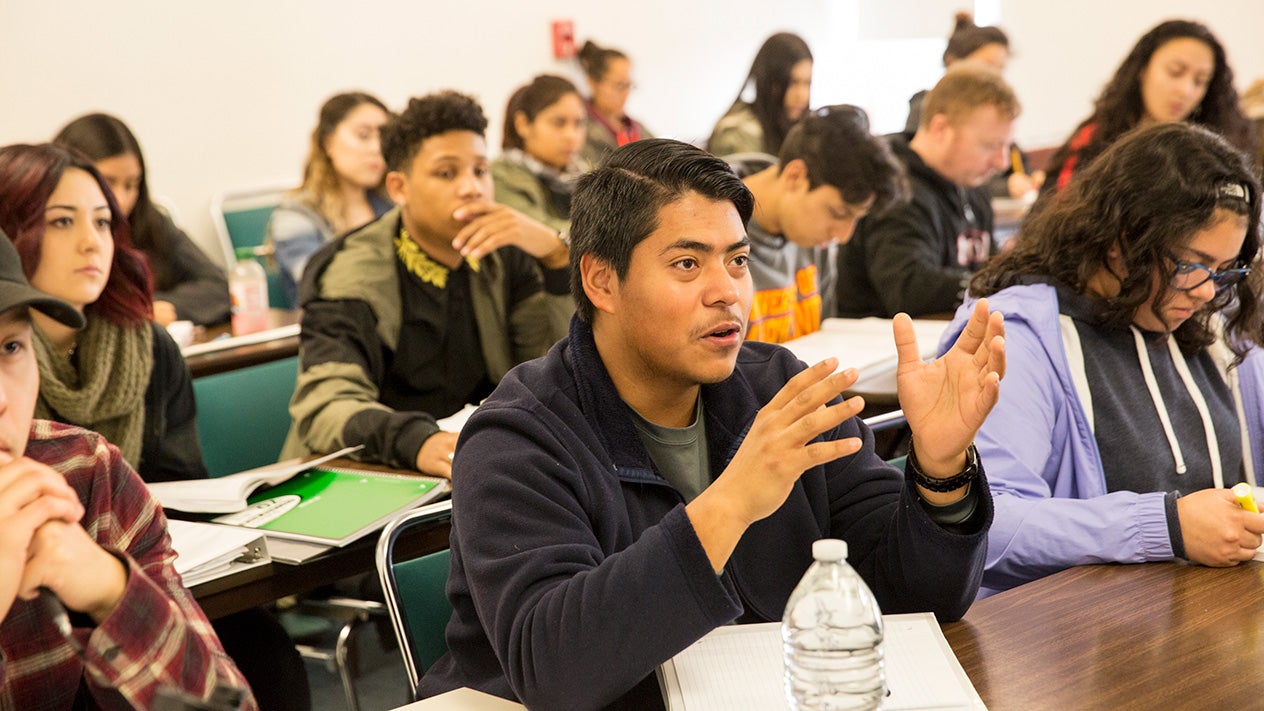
x=334, y=506
x=227, y=494
x=740, y=668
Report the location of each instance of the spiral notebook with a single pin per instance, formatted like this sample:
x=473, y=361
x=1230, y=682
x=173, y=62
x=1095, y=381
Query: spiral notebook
x=334, y=506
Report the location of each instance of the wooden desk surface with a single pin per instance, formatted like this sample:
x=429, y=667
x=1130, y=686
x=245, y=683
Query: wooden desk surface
x=1152, y=636
x=244, y=356
x=274, y=581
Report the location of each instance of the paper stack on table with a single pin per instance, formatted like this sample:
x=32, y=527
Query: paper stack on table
x=740, y=668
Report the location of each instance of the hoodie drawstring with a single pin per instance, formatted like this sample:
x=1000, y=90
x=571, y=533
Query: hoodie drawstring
x=1147, y=370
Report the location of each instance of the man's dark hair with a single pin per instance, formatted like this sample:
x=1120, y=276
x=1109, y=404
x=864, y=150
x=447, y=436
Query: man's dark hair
x=835, y=143
x=428, y=116
x=617, y=206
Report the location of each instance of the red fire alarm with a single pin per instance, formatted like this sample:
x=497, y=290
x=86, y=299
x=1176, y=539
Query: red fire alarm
x=563, y=39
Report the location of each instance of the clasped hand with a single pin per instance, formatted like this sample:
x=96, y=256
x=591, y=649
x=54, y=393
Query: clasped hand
x=42, y=544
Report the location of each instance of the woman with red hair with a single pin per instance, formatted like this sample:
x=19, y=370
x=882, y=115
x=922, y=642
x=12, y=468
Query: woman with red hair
x=122, y=375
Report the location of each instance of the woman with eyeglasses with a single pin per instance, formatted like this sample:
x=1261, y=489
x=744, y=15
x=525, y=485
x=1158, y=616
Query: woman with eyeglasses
x=1133, y=396
x=609, y=74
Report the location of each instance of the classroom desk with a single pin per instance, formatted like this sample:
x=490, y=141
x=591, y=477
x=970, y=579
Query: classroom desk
x=1151, y=636
x=219, y=361
x=268, y=583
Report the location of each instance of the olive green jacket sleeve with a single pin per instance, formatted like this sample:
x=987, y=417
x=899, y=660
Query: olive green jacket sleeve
x=517, y=187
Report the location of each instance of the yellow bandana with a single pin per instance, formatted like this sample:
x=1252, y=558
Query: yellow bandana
x=420, y=263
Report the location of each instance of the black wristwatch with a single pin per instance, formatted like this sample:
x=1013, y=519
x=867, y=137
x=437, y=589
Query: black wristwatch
x=952, y=483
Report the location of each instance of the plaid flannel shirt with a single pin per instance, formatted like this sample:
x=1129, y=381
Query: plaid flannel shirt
x=156, y=637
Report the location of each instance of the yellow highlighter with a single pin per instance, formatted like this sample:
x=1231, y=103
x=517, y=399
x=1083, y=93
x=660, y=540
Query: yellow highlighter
x=1246, y=500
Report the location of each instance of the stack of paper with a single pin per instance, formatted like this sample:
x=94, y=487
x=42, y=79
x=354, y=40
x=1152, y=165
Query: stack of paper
x=208, y=551
x=866, y=344
x=222, y=344
x=740, y=668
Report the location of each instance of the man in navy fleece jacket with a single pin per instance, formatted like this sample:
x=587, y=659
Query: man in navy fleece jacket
x=654, y=477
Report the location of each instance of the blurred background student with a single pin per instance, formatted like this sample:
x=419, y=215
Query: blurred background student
x=782, y=79
x=1176, y=72
x=609, y=74
x=121, y=376
x=988, y=46
x=187, y=284
x=540, y=159
x=342, y=184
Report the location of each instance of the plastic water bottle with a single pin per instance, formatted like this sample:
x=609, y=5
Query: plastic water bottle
x=248, y=288
x=832, y=637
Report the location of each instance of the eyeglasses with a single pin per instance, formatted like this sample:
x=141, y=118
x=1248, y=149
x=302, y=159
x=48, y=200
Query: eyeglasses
x=1191, y=275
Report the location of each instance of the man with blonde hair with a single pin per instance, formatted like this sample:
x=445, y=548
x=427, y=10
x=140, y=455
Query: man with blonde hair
x=919, y=257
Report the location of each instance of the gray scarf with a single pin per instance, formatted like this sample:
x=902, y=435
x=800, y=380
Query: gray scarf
x=106, y=392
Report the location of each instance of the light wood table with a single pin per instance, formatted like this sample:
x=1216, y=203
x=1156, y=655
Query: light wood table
x=1152, y=636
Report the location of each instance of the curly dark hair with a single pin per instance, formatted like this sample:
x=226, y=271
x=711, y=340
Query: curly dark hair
x=1146, y=195
x=835, y=144
x=428, y=116
x=1120, y=108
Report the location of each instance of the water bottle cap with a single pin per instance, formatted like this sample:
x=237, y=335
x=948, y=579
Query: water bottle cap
x=244, y=253
x=829, y=549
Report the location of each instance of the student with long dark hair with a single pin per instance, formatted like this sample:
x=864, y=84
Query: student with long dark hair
x=782, y=79
x=187, y=284
x=1176, y=72
x=609, y=74
x=540, y=159
x=1135, y=383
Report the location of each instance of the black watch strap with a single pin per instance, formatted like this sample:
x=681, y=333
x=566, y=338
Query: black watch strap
x=952, y=483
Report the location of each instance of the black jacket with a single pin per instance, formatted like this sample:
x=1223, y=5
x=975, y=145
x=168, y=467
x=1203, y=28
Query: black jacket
x=906, y=259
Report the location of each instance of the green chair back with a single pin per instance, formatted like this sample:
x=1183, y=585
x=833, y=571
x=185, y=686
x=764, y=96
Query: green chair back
x=243, y=217
x=415, y=596
x=243, y=415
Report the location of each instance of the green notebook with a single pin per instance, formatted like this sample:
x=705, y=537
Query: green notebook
x=334, y=506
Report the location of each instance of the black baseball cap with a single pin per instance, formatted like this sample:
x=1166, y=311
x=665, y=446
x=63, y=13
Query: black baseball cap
x=16, y=291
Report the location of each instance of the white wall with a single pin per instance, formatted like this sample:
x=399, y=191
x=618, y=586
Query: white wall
x=223, y=95
x=1064, y=52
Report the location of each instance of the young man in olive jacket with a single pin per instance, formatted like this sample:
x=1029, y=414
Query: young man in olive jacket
x=425, y=309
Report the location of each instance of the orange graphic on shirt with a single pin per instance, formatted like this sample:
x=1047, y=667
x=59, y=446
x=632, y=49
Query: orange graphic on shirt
x=780, y=315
